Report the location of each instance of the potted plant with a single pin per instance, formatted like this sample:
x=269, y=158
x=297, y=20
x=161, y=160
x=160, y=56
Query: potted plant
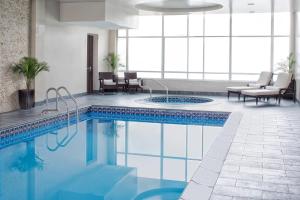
x=112, y=61
x=28, y=67
x=288, y=65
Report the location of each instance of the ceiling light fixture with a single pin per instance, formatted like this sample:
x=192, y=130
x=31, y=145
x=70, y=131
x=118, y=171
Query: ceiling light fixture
x=177, y=6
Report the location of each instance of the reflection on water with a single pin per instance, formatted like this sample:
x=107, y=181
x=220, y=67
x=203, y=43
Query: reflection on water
x=103, y=160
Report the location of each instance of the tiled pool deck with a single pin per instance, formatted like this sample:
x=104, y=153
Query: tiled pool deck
x=264, y=158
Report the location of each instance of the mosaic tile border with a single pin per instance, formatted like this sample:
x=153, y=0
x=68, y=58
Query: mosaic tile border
x=188, y=114
x=21, y=132
x=178, y=100
x=156, y=115
x=44, y=121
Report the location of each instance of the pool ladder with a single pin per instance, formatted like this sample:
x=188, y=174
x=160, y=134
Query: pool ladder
x=62, y=98
x=66, y=140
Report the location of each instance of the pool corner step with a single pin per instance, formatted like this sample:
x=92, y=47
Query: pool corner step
x=102, y=183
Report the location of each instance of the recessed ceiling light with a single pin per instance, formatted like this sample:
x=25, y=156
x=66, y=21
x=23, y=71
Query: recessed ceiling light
x=252, y=11
x=251, y=4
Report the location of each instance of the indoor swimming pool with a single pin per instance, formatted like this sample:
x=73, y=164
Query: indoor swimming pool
x=111, y=154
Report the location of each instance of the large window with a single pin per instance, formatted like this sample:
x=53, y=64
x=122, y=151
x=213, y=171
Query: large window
x=214, y=46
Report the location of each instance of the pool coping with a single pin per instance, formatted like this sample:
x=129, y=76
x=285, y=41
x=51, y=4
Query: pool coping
x=205, y=177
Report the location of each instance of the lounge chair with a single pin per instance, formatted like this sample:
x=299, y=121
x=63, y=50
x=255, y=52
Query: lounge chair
x=132, y=81
x=107, y=81
x=277, y=90
x=264, y=80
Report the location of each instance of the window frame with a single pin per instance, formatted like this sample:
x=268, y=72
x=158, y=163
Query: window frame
x=230, y=73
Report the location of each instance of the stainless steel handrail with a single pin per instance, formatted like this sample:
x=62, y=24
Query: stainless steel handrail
x=47, y=100
x=57, y=142
x=66, y=140
x=149, y=88
x=164, y=86
x=72, y=97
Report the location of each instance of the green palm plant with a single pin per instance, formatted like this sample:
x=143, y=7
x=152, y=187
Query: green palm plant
x=288, y=65
x=29, y=67
x=112, y=61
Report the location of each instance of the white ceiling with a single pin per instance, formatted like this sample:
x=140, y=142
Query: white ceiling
x=237, y=5
x=241, y=6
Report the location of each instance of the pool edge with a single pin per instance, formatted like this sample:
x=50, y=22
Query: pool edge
x=205, y=177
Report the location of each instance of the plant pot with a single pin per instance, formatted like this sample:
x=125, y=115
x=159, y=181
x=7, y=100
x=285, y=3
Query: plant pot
x=26, y=99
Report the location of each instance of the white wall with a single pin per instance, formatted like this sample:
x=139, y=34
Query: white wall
x=297, y=23
x=63, y=46
x=193, y=85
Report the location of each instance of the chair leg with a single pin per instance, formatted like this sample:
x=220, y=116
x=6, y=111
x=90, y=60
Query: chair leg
x=279, y=100
x=239, y=96
x=256, y=100
x=228, y=95
x=244, y=98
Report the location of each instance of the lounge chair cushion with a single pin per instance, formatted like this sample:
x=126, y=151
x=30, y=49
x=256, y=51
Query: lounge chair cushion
x=109, y=82
x=255, y=85
x=240, y=88
x=134, y=82
x=260, y=92
x=264, y=78
x=283, y=80
x=272, y=88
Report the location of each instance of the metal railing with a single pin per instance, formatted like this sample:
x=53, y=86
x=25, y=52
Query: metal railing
x=65, y=140
x=47, y=100
x=60, y=97
x=148, y=88
x=164, y=86
x=71, y=97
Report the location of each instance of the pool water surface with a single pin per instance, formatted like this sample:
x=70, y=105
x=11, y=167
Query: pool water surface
x=105, y=158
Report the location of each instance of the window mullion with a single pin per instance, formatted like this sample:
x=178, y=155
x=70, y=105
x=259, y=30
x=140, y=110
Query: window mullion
x=203, y=50
x=163, y=48
x=188, y=47
x=127, y=47
x=272, y=37
x=230, y=40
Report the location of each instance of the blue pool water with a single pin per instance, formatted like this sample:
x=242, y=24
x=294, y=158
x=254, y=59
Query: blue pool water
x=105, y=158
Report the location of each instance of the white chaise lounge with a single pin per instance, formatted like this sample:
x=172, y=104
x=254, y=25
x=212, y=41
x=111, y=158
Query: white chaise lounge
x=277, y=90
x=264, y=80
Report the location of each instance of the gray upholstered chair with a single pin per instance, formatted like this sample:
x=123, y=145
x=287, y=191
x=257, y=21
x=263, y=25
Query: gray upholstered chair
x=107, y=81
x=264, y=80
x=132, y=81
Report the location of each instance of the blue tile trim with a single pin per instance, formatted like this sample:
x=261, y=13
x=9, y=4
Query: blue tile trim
x=160, y=115
x=178, y=99
x=44, y=121
x=115, y=110
x=22, y=132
